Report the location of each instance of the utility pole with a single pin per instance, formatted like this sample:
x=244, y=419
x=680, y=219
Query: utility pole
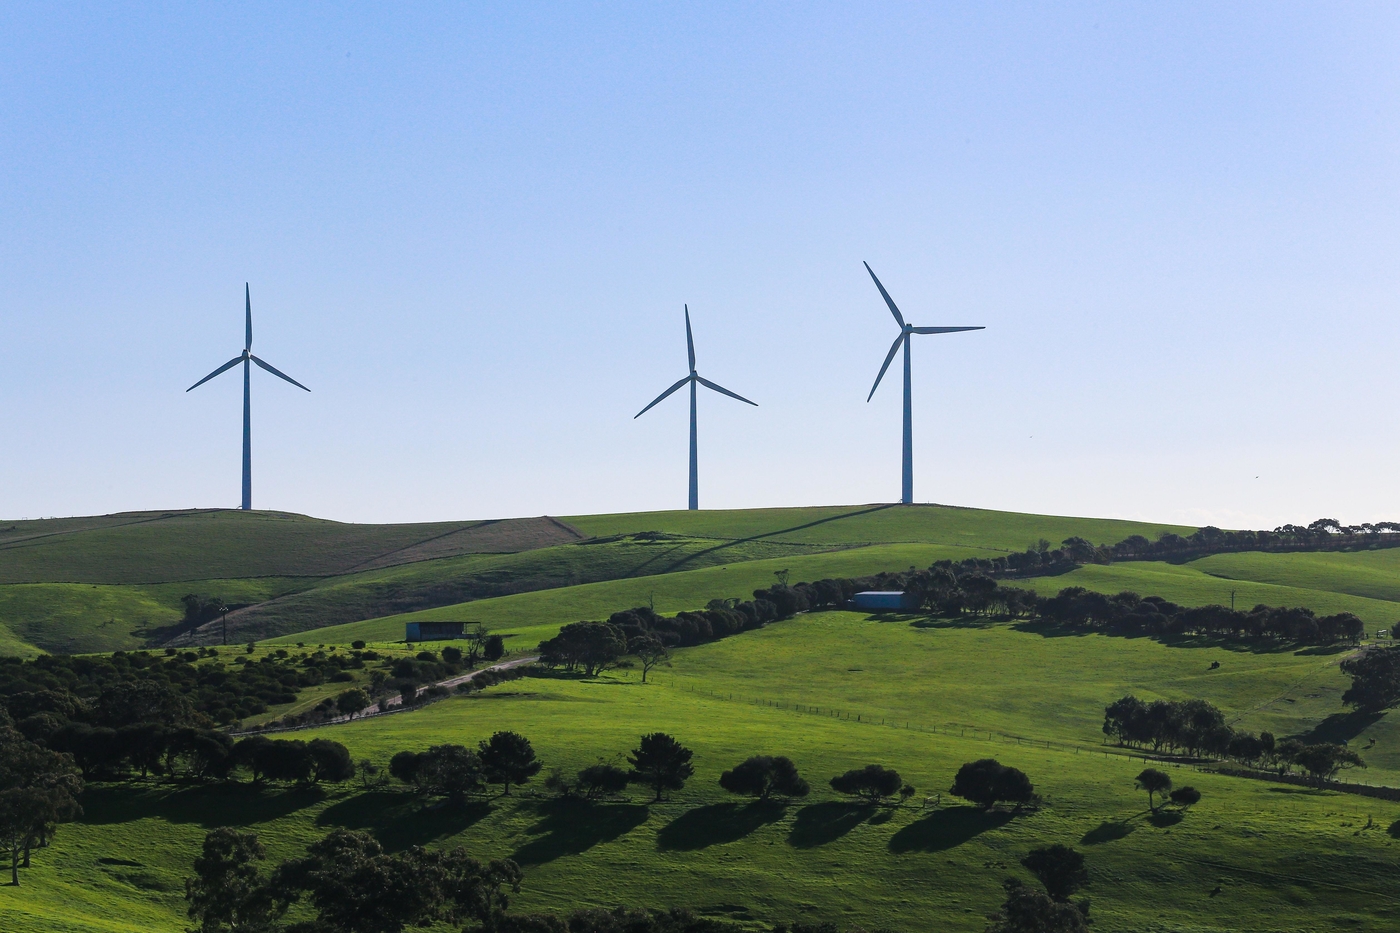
x=1232, y=600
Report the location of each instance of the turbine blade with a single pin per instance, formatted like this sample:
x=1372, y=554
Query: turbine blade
x=888, y=300
x=248, y=307
x=721, y=389
x=660, y=397
x=894, y=348
x=229, y=365
x=943, y=330
x=276, y=372
x=689, y=340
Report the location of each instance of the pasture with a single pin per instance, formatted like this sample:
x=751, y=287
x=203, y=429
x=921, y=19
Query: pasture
x=832, y=691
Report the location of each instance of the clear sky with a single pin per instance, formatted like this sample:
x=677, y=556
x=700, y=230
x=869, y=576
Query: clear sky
x=470, y=230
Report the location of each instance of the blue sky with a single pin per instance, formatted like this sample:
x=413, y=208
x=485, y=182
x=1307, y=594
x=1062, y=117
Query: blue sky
x=470, y=230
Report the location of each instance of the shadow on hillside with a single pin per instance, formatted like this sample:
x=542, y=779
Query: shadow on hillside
x=820, y=823
x=957, y=622
x=1164, y=818
x=1304, y=791
x=717, y=824
x=569, y=826
x=1046, y=629
x=1106, y=832
x=680, y=564
x=398, y=820
x=209, y=806
x=946, y=829
x=1324, y=650
x=1340, y=728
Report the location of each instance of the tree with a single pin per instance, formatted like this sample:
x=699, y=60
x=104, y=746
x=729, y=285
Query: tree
x=1026, y=910
x=352, y=702
x=651, y=651
x=1323, y=760
x=873, y=782
x=493, y=648
x=602, y=780
x=287, y=760
x=451, y=771
x=408, y=691
x=593, y=646
x=354, y=886
x=404, y=766
x=661, y=763
x=38, y=790
x=764, y=776
x=1060, y=868
x=1154, y=782
x=228, y=892
x=251, y=753
x=988, y=782
x=1186, y=797
x=330, y=761
x=1375, y=679
x=507, y=758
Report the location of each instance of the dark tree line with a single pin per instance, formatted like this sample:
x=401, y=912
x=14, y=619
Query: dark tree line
x=1198, y=729
x=203, y=688
x=347, y=883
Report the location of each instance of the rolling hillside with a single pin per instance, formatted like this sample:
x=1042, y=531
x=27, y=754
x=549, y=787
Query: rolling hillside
x=109, y=582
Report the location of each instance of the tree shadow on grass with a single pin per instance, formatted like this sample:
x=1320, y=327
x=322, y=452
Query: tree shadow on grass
x=1324, y=650
x=946, y=829
x=973, y=622
x=1340, y=728
x=399, y=821
x=568, y=826
x=1305, y=791
x=209, y=805
x=1048, y=629
x=820, y=823
x=1164, y=818
x=717, y=824
x=1107, y=832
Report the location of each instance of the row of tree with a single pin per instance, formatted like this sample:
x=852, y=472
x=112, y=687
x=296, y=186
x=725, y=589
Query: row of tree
x=347, y=883
x=1198, y=729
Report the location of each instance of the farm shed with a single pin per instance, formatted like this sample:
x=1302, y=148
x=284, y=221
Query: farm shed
x=884, y=601
x=432, y=631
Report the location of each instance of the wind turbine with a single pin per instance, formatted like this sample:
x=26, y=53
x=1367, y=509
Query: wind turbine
x=693, y=378
x=905, y=330
x=245, y=358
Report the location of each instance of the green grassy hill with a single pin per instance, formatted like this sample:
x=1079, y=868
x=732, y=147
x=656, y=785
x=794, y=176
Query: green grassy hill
x=833, y=691
x=109, y=582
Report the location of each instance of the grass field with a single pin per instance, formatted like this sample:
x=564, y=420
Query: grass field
x=304, y=573
x=833, y=690
x=1285, y=858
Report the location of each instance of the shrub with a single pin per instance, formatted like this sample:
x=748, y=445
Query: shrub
x=988, y=782
x=764, y=776
x=873, y=782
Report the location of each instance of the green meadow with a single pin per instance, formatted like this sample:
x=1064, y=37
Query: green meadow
x=104, y=583
x=832, y=690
